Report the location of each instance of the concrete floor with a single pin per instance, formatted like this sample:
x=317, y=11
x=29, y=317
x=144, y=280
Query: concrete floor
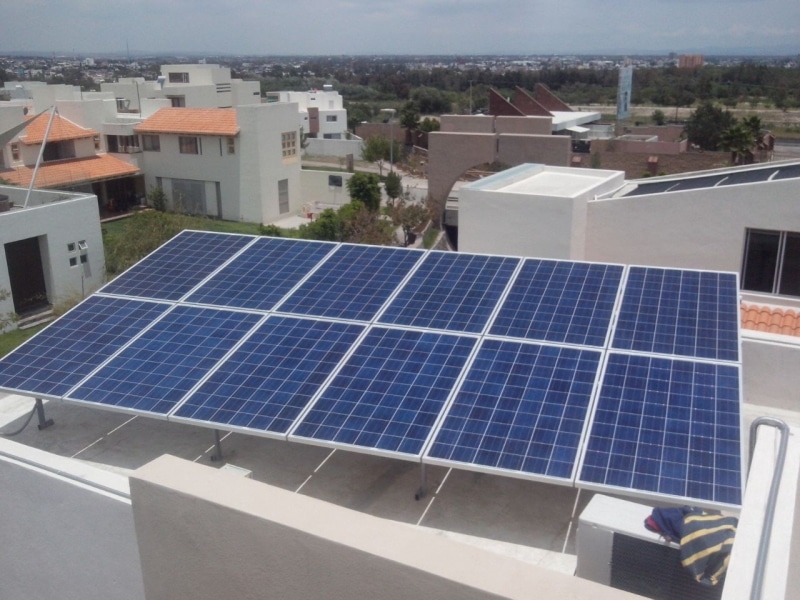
x=528, y=520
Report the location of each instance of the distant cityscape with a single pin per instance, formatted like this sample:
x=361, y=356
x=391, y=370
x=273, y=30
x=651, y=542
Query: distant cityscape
x=106, y=68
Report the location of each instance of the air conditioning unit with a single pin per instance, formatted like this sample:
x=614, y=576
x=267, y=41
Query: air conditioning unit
x=616, y=550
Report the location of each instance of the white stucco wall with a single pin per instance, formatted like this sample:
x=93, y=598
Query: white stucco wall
x=56, y=224
x=206, y=534
x=701, y=229
x=318, y=194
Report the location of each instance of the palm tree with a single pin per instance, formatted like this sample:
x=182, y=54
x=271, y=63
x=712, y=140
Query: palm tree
x=738, y=139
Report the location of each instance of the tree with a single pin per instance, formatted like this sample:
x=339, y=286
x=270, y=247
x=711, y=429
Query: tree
x=705, y=126
x=376, y=148
x=739, y=140
x=427, y=125
x=363, y=226
x=365, y=188
x=408, y=215
x=659, y=118
x=157, y=199
x=327, y=227
x=409, y=115
x=393, y=185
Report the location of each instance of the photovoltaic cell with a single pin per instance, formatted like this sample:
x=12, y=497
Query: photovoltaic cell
x=270, y=378
x=560, y=301
x=262, y=274
x=451, y=291
x=684, y=313
x=521, y=407
x=354, y=283
x=389, y=393
x=156, y=370
x=177, y=266
x=667, y=427
x=59, y=356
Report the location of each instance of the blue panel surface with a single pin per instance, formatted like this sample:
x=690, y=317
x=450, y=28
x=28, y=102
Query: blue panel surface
x=685, y=313
x=66, y=351
x=668, y=427
x=389, y=393
x=521, y=407
x=177, y=266
x=269, y=380
x=353, y=283
x=262, y=274
x=156, y=370
x=559, y=301
x=452, y=291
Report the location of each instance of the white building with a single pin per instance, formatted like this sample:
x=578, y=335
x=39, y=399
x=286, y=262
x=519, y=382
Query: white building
x=322, y=113
x=191, y=86
x=51, y=251
x=238, y=164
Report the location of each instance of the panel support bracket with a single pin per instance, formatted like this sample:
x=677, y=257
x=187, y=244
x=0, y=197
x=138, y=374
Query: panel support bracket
x=44, y=422
x=217, y=456
x=423, y=482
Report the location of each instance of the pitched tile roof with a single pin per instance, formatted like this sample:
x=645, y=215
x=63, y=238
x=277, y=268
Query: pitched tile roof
x=196, y=121
x=72, y=171
x=61, y=129
x=771, y=319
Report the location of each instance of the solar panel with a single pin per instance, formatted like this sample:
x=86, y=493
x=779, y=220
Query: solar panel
x=560, y=301
x=521, y=409
x=262, y=274
x=157, y=369
x=666, y=427
x=389, y=393
x=59, y=356
x=684, y=313
x=450, y=291
x=355, y=283
x=270, y=378
x=177, y=266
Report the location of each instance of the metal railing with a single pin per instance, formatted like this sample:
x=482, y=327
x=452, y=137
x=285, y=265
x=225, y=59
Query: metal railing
x=769, y=514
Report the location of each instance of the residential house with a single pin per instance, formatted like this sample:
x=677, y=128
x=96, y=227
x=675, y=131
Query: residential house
x=237, y=164
x=185, y=85
x=321, y=112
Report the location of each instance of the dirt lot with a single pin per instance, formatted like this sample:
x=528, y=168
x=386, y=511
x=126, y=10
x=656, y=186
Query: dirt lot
x=768, y=116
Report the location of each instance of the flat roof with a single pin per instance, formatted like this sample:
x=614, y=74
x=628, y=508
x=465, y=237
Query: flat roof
x=545, y=180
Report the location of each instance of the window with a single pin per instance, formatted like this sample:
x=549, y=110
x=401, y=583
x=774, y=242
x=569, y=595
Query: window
x=283, y=196
x=59, y=150
x=73, y=261
x=179, y=78
x=772, y=262
x=71, y=247
x=334, y=181
x=177, y=101
x=231, y=145
x=97, y=142
x=15, y=152
x=189, y=145
x=289, y=144
x=331, y=118
x=151, y=143
x=84, y=259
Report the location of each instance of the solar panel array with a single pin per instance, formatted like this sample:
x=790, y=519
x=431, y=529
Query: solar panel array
x=596, y=375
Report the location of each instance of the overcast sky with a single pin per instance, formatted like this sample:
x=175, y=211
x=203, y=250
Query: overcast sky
x=291, y=27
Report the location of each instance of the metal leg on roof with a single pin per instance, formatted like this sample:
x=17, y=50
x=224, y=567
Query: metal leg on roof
x=44, y=423
x=217, y=456
x=423, y=482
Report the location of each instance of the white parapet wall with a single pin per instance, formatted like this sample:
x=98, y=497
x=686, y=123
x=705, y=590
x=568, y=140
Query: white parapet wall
x=204, y=533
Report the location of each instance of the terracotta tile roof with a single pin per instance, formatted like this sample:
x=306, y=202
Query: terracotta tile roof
x=771, y=319
x=72, y=171
x=62, y=129
x=197, y=121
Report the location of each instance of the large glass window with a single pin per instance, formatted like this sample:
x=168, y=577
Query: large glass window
x=772, y=262
x=283, y=196
x=151, y=143
x=179, y=78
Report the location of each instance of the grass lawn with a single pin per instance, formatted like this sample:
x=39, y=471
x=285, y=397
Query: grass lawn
x=12, y=339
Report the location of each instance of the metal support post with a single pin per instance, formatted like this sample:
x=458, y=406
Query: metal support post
x=217, y=456
x=423, y=482
x=44, y=423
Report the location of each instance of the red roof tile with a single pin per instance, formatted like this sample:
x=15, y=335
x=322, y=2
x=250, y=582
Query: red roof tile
x=61, y=129
x=771, y=319
x=69, y=172
x=196, y=121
